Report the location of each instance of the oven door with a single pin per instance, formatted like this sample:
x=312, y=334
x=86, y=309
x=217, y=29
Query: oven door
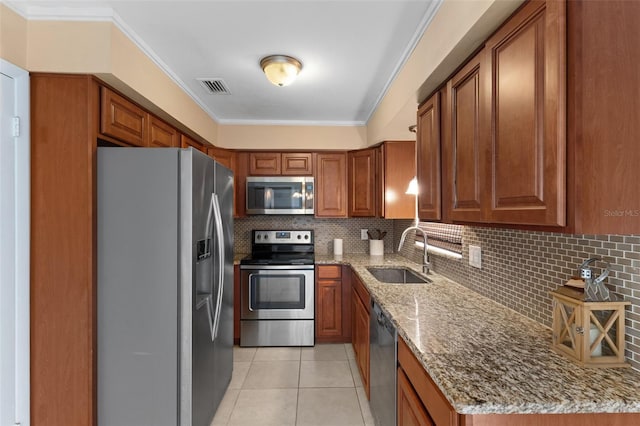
x=277, y=292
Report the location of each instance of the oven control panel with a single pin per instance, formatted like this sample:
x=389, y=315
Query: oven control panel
x=283, y=237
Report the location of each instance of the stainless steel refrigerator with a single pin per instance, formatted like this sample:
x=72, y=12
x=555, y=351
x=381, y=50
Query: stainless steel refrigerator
x=165, y=286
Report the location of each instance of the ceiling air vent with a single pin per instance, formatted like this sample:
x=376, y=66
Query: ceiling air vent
x=215, y=86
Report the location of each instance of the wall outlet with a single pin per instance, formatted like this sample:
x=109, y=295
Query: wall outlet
x=363, y=234
x=475, y=256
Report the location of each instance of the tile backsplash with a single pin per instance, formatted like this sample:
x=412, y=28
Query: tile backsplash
x=325, y=230
x=519, y=268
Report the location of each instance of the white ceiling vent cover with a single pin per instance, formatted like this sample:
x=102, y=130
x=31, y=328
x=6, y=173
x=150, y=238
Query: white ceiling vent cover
x=214, y=86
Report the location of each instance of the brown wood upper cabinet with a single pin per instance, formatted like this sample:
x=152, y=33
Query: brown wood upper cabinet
x=331, y=184
x=297, y=163
x=504, y=140
x=122, y=119
x=603, y=127
x=362, y=182
x=462, y=150
x=378, y=179
x=524, y=114
x=265, y=163
x=226, y=157
x=186, y=142
x=162, y=135
x=276, y=163
x=240, y=181
x=428, y=163
x=397, y=166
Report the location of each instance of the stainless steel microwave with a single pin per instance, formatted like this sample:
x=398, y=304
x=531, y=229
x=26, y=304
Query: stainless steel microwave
x=280, y=195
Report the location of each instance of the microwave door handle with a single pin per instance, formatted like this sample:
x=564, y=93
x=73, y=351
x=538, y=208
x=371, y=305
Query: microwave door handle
x=305, y=203
x=221, y=264
x=268, y=198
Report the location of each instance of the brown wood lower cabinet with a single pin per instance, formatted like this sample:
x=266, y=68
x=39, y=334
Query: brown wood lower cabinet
x=420, y=402
x=411, y=412
x=361, y=302
x=333, y=308
x=435, y=406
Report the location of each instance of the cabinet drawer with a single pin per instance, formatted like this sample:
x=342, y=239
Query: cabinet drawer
x=122, y=119
x=329, y=272
x=434, y=401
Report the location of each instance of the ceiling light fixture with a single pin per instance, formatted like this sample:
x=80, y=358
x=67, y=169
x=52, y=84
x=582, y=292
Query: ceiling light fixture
x=281, y=70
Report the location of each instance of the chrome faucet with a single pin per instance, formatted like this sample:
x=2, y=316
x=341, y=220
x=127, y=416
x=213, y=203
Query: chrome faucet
x=425, y=256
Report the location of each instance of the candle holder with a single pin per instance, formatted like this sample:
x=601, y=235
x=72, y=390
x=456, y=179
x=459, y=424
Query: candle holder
x=589, y=333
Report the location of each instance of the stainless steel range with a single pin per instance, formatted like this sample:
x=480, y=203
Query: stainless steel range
x=277, y=290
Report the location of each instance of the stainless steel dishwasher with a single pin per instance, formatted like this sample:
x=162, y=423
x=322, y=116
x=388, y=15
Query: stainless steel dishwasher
x=383, y=366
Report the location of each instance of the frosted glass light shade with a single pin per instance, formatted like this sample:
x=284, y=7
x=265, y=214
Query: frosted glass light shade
x=280, y=70
x=412, y=189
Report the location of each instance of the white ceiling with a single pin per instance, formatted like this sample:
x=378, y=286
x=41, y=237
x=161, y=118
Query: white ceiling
x=350, y=50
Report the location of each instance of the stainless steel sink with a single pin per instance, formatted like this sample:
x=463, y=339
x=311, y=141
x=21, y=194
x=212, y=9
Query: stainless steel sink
x=397, y=275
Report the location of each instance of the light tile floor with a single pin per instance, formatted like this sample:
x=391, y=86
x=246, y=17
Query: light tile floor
x=317, y=386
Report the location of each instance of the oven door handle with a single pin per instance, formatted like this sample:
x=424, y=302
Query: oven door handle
x=250, y=290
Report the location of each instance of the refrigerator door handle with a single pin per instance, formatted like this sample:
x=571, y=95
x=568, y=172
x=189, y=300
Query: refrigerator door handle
x=206, y=298
x=221, y=263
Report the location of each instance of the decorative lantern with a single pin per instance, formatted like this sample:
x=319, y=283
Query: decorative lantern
x=589, y=333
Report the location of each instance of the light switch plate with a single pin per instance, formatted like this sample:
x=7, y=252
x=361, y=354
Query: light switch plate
x=363, y=234
x=475, y=256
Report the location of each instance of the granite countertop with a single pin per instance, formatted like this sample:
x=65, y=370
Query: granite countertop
x=487, y=358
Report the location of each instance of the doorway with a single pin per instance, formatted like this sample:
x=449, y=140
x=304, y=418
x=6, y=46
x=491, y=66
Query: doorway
x=14, y=244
